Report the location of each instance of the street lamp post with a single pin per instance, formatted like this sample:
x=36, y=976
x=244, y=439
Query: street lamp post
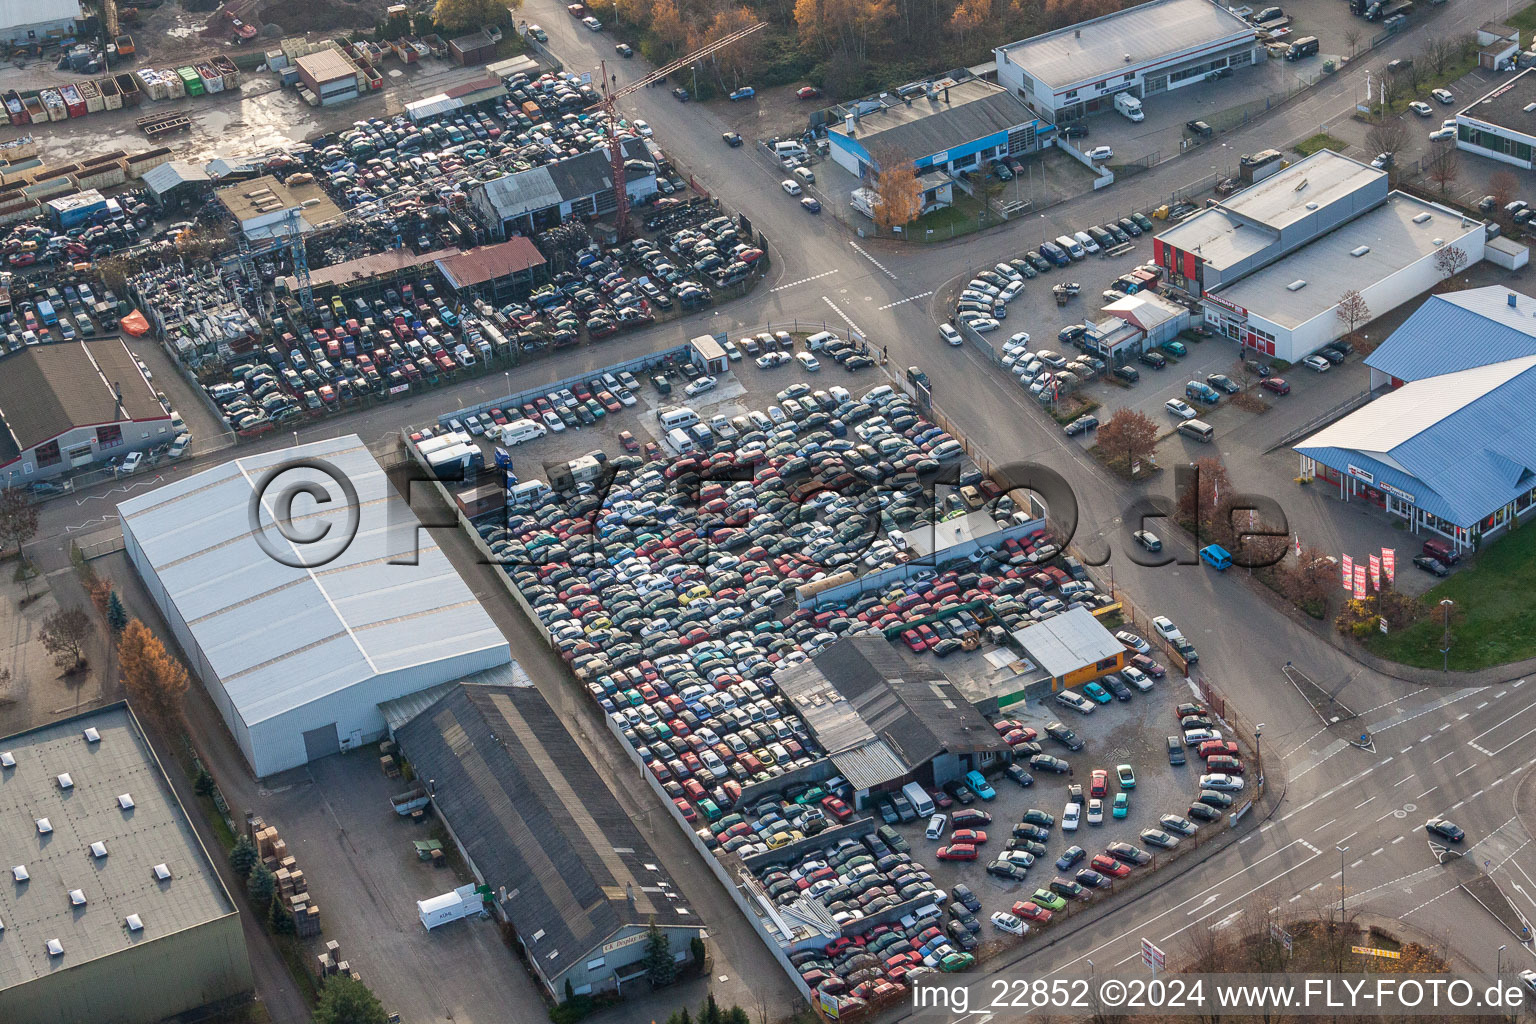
x=1500, y=968
x=1342, y=850
x=1258, y=752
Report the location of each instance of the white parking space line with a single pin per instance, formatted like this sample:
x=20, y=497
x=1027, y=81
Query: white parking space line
x=1428, y=791
x=1362, y=803
x=1466, y=769
x=1398, y=840
x=1325, y=824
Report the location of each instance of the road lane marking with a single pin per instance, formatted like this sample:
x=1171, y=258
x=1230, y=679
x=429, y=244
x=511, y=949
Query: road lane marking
x=882, y=267
x=1377, y=850
x=1442, y=757
x=1319, y=885
x=803, y=280
x=1398, y=840
x=1466, y=769
x=1325, y=824
x=1482, y=705
x=1357, y=863
x=1425, y=738
x=1404, y=779
x=838, y=310
x=1362, y=803
x=1463, y=715
x=1426, y=793
x=909, y=298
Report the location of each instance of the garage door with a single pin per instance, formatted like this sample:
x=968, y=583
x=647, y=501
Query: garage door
x=321, y=742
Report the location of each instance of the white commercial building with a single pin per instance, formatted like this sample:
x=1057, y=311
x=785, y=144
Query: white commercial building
x=1144, y=50
x=35, y=21
x=1501, y=124
x=298, y=643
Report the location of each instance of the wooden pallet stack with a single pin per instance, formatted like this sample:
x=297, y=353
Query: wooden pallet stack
x=330, y=964
x=292, y=886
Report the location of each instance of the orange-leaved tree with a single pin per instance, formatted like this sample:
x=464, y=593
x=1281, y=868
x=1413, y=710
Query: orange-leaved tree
x=899, y=192
x=154, y=681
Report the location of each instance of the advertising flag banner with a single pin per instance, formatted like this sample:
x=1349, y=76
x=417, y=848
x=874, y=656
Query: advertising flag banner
x=1389, y=564
x=1375, y=572
x=1359, y=582
x=1298, y=545
x=1348, y=566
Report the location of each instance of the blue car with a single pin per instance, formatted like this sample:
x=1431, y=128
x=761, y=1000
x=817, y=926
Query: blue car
x=1097, y=692
x=980, y=786
x=746, y=92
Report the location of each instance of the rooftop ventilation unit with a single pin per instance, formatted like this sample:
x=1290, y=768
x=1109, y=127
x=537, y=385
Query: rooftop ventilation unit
x=7, y=759
x=77, y=897
x=162, y=873
x=19, y=873
x=55, y=947
x=1311, y=205
x=1300, y=185
x=1422, y=218
x=1437, y=242
x=1295, y=286
x=92, y=736
x=98, y=849
x=125, y=801
x=44, y=826
x=65, y=782
x=1360, y=250
x=1511, y=299
x=133, y=923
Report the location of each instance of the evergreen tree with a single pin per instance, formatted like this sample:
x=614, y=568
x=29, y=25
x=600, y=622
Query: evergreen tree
x=344, y=1001
x=117, y=616
x=262, y=886
x=243, y=857
x=660, y=968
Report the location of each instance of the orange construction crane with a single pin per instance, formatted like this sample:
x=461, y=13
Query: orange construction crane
x=610, y=107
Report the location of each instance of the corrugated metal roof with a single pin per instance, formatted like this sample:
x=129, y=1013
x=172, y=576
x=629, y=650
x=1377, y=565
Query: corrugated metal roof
x=15, y=13
x=488, y=262
x=1461, y=444
x=46, y=390
x=1064, y=643
x=1299, y=190
x=1457, y=331
x=402, y=709
x=279, y=637
x=557, y=850
x=167, y=176
x=934, y=126
x=1219, y=238
x=513, y=195
x=1115, y=43
x=154, y=831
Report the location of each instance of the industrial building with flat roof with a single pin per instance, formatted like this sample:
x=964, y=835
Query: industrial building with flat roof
x=1452, y=448
x=298, y=643
x=1070, y=649
x=1145, y=50
x=265, y=207
x=71, y=404
x=564, y=863
x=1270, y=263
x=541, y=197
x=884, y=719
x=1501, y=123
x=112, y=909
x=953, y=124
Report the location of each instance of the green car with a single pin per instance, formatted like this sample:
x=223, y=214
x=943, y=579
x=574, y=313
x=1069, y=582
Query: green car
x=956, y=962
x=1122, y=805
x=1127, y=776
x=1175, y=348
x=1097, y=692
x=1049, y=900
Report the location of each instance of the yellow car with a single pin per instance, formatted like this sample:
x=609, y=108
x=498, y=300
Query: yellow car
x=693, y=594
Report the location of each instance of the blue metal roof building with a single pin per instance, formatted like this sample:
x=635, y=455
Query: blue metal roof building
x=1453, y=453
x=1491, y=324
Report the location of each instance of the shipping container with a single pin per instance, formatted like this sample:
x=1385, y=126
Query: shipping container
x=15, y=110
x=92, y=96
x=211, y=80
x=73, y=101
x=128, y=88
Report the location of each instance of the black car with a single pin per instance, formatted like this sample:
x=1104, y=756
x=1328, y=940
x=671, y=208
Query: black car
x=1486, y=204
x=1156, y=360
x=1175, y=751
x=1333, y=355
x=732, y=139
x=1432, y=566
x=682, y=95
x=1199, y=128
x=1066, y=737
x=1037, y=261
x=1074, y=131
x=1446, y=829
x=1047, y=763
x=1071, y=334
x=1214, y=798
x=1082, y=425
x=624, y=50
x=966, y=898
x=1128, y=374
x=1129, y=226
x=1117, y=687
x=1006, y=869
x=961, y=792
x=1072, y=855
x=1125, y=853
x=1019, y=775
x=1221, y=382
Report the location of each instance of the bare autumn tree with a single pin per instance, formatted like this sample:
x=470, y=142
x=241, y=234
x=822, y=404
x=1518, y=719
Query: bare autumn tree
x=1204, y=498
x=1127, y=437
x=899, y=192
x=63, y=635
x=1502, y=185
x=1444, y=165
x=1352, y=40
x=1352, y=311
x=1387, y=137
x=1449, y=260
x=1439, y=52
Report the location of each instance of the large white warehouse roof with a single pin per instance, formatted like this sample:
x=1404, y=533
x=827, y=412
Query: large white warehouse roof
x=279, y=636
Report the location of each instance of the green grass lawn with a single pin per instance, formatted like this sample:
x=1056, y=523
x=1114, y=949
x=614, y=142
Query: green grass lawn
x=1524, y=20
x=1322, y=140
x=1497, y=618
x=958, y=219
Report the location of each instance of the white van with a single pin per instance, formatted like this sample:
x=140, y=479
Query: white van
x=522, y=430
x=678, y=438
x=527, y=493
x=921, y=802
x=818, y=341
x=788, y=150
x=880, y=395
x=1085, y=240
x=682, y=416
x=1070, y=246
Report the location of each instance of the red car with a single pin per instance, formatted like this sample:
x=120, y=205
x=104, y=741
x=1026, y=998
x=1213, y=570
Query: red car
x=1148, y=666
x=1029, y=910
x=1275, y=384
x=808, y=92
x=1107, y=865
x=968, y=836
x=23, y=259
x=959, y=851
x=628, y=441
x=1098, y=785
x=915, y=640
x=685, y=809
x=836, y=808
x=968, y=818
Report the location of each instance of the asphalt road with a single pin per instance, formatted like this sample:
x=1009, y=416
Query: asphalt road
x=1436, y=750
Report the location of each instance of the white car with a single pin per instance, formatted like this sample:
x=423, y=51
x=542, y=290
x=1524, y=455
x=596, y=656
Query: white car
x=976, y=284
x=1442, y=134
x=951, y=335
x=1100, y=153
x=131, y=464
x=592, y=23
x=1443, y=95
x=1164, y=625
x=553, y=422
x=643, y=128
x=1018, y=341
x=1133, y=641
x=808, y=361
x=984, y=325
x=700, y=386
x=1004, y=921
x=1318, y=363
x=1012, y=291
x=1421, y=108
x=1095, y=811
x=1224, y=783
x=936, y=826
x=1137, y=678
x=1010, y=273
x=1180, y=408
x=1070, y=815
x=792, y=187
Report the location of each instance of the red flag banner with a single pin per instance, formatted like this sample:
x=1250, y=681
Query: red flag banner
x=1389, y=564
x=1375, y=572
x=1359, y=582
x=1349, y=571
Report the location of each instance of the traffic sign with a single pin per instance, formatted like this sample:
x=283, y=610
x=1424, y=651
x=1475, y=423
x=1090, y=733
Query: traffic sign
x=1154, y=958
x=1280, y=935
x=1385, y=954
